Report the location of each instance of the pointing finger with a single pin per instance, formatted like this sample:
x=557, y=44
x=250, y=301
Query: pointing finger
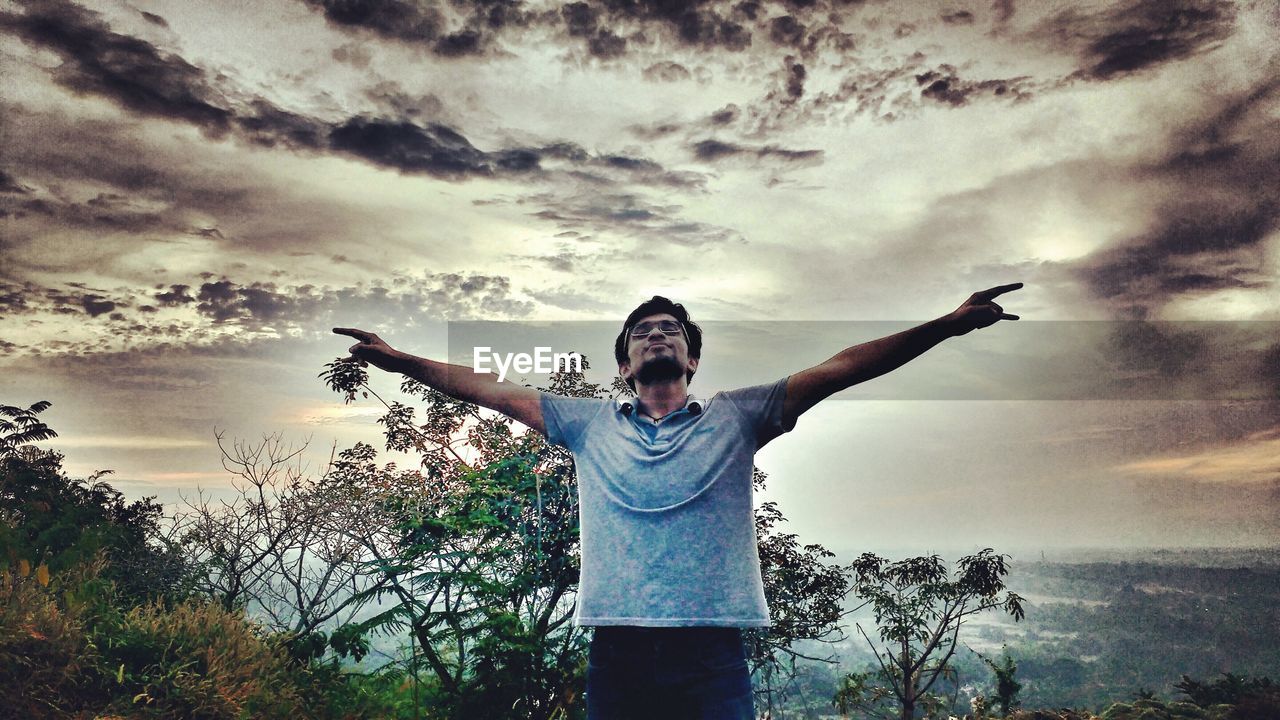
x=360, y=335
x=990, y=293
x=1007, y=316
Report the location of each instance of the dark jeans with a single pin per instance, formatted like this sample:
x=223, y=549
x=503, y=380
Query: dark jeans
x=693, y=673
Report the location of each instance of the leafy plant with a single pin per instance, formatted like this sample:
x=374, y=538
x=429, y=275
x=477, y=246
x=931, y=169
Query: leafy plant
x=919, y=609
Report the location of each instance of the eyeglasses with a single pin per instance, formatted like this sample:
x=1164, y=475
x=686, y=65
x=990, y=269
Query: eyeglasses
x=668, y=327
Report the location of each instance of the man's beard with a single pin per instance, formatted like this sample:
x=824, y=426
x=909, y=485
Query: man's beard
x=659, y=369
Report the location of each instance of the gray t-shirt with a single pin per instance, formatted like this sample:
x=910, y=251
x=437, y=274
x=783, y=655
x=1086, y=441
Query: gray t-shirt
x=668, y=531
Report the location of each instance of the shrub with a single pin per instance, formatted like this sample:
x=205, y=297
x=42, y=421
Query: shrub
x=47, y=665
x=197, y=660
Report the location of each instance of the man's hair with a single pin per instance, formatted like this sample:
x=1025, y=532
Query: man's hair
x=656, y=306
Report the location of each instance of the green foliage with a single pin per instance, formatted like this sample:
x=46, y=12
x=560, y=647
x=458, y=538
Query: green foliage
x=805, y=593
x=1151, y=709
x=1108, y=628
x=1007, y=686
x=478, y=554
x=20, y=427
x=197, y=660
x=1250, y=698
x=45, y=655
x=68, y=649
x=48, y=518
x=919, y=607
x=1052, y=715
x=94, y=618
x=1229, y=688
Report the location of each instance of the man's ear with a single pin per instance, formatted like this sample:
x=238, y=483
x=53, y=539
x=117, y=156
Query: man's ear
x=693, y=365
x=624, y=371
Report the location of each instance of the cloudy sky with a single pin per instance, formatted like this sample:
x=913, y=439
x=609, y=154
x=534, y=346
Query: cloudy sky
x=192, y=194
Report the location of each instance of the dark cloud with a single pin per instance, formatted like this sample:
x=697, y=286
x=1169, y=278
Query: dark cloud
x=13, y=297
x=725, y=115
x=468, y=28
x=434, y=149
x=693, y=23
x=155, y=19
x=130, y=71
x=96, y=305
x=76, y=299
x=959, y=17
x=129, y=193
x=606, y=45
x=716, y=150
x=105, y=212
x=1201, y=241
x=623, y=162
x=580, y=19
x=625, y=214
x=224, y=308
x=604, y=29
x=458, y=44
x=609, y=170
x=259, y=303
x=944, y=86
x=795, y=78
x=884, y=93
x=796, y=25
x=8, y=184
x=391, y=19
x=1138, y=35
x=269, y=126
x=175, y=296
x=144, y=80
x=786, y=30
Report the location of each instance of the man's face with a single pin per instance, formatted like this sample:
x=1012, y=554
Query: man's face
x=655, y=355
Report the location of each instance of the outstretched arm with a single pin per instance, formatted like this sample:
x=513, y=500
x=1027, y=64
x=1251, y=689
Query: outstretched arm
x=517, y=402
x=877, y=357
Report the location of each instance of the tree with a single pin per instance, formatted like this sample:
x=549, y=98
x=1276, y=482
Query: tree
x=478, y=554
x=285, y=546
x=1228, y=689
x=19, y=427
x=804, y=592
x=919, y=609
x=1007, y=686
x=51, y=520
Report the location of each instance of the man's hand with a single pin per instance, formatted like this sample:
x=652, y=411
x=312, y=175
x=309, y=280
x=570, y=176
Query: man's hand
x=979, y=311
x=515, y=401
x=371, y=349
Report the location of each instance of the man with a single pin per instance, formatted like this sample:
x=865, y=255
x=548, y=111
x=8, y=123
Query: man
x=670, y=572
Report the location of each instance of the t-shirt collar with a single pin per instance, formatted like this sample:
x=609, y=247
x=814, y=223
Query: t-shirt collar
x=626, y=406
